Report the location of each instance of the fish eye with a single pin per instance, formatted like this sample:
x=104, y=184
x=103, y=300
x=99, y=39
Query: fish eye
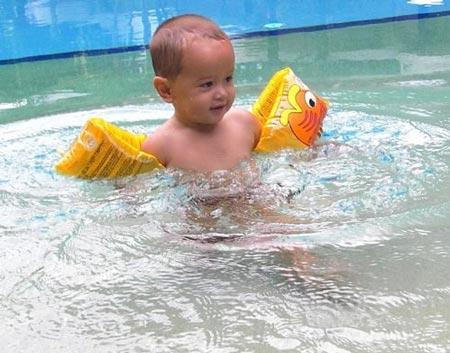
x=310, y=99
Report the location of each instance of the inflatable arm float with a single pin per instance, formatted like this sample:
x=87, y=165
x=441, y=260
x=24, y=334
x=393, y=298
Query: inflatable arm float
x=290, y=114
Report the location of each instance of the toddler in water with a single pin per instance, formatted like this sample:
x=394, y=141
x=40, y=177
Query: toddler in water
x=193, y=60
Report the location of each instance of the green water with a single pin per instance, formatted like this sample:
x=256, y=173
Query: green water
x=344, y=247
x=325, y=59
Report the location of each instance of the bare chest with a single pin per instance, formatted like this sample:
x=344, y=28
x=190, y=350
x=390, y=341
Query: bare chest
x=207, y=152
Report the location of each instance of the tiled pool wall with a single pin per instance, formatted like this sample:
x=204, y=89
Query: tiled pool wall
x=43, y=29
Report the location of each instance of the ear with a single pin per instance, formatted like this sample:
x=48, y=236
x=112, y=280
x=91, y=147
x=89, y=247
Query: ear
x=162, y=86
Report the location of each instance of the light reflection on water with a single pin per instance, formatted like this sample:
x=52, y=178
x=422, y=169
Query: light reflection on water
x=343, y=246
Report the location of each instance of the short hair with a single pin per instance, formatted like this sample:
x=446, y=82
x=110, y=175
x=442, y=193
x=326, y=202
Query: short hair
x=173, y=36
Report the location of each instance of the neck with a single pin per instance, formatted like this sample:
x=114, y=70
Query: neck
x=204, y=128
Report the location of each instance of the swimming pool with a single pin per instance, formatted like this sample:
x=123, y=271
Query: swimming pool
x=342, y=248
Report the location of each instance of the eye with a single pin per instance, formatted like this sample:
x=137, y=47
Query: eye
x=310, y=99
x=229, y=78
x=206, y=84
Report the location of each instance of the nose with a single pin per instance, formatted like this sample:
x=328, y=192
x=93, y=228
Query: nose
x=220, y=92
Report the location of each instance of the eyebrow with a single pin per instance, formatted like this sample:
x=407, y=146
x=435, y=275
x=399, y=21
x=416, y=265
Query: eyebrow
x=205, y=78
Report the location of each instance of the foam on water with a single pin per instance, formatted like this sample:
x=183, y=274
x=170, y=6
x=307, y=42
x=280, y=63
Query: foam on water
x=366, y=170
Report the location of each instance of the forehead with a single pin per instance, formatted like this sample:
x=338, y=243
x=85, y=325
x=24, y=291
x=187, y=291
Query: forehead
x=206, y=55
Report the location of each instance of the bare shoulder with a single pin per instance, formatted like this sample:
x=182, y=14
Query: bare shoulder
x=243, y=115
x=157, y=144
x=246, y=120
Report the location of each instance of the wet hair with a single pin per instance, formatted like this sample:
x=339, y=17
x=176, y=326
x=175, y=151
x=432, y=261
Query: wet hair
x=173, y=36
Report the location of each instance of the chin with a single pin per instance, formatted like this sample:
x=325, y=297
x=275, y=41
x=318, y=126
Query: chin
x=217, y=116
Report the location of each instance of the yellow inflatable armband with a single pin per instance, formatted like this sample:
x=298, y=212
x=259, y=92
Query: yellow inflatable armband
x=291, y=116
x=103, y=150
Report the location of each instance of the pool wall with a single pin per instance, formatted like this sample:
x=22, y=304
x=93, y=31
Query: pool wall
x=33, y=30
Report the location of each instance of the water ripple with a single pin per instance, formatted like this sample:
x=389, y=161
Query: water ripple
x=326, y=249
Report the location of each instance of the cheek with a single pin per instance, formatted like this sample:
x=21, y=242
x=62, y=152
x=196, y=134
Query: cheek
x=199, y=102
x=232, y=93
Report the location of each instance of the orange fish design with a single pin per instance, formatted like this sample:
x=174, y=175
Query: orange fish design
x=306, y=116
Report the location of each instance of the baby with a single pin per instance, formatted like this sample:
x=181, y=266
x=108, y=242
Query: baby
x=193, y=60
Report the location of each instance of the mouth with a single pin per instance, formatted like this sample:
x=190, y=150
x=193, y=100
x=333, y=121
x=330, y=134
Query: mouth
x=217, y=107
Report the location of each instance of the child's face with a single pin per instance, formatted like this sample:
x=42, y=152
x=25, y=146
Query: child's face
x=204, y=91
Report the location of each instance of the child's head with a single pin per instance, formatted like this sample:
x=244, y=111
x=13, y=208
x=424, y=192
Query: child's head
x=194, y=65
x=173, y=36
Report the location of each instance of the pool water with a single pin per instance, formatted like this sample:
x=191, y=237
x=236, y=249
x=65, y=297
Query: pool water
x=344, y=247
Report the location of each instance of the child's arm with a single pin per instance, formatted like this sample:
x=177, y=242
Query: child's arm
x=156, y=145
x=257, y=128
